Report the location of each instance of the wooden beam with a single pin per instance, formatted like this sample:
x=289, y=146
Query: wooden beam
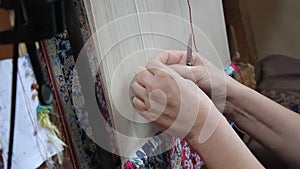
x=236, y=15
x=6, y=51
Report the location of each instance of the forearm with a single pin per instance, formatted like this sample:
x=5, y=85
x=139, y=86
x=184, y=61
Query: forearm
x=271, y=124
x=224, y=149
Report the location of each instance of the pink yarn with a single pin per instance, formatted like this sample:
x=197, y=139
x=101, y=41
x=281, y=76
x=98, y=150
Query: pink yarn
x=129, y=165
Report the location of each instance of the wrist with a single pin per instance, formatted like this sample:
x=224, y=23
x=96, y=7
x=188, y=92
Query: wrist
x=206, y=126
x=234, y=90
x=195, y=141
x=237, y=100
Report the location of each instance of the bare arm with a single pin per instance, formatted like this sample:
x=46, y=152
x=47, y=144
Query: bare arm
x=274, y=126
x=181, y=108
x=224, y=149
x=271, y=124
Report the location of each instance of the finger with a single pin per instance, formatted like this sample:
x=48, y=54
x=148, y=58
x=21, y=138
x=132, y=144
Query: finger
x=138, y=105
x=144, y=77
x=189, y=72
x=177, y=57
x=157, y=68
x=154, y=67
x=142, y=110
x=197, y=60
x=139, y=91
x=171, y=57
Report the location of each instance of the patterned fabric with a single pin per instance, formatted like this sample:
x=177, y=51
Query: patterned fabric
x=145, y=157
x=82, y=18
x=286, y=99
x=60, y=63
x=279, y=76
x=155, y=162
x=185, y=157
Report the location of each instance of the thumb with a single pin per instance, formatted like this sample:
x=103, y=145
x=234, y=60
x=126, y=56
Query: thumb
x=187, y=72
x=156, y=67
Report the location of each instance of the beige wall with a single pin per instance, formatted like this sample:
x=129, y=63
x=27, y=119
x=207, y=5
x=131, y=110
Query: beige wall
x=276, y=26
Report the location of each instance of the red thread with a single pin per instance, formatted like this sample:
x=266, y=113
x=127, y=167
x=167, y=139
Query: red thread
x=191, y=24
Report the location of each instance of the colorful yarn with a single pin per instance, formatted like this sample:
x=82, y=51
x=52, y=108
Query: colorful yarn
x=44, y=118
x=59, y=146
x=185, y=157
x=129, y=165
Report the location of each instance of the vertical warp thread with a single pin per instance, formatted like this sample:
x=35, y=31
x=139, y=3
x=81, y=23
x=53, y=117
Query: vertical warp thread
x=140, y=28
x=191, y=24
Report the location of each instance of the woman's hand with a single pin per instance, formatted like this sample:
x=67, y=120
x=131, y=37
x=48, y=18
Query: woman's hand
x=180, y=107
x=176, y=104
x=213, y=81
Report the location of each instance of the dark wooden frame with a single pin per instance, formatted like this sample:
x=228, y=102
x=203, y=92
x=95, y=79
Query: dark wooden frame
x=237, y=17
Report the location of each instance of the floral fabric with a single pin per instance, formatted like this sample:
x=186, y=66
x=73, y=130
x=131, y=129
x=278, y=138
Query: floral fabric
x=286, y=99
x=184, y=157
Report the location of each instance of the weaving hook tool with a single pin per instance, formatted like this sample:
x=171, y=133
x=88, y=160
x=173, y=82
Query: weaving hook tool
x=189, y=52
